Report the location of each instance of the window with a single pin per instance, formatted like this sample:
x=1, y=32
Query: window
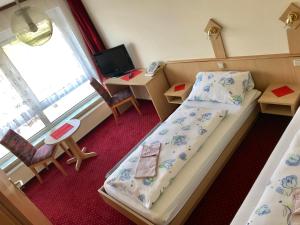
x=40, y=85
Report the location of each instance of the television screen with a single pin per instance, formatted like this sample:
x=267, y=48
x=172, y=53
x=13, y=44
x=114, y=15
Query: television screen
x=114, y=62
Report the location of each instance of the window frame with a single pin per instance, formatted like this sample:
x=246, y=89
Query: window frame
x=65, y=27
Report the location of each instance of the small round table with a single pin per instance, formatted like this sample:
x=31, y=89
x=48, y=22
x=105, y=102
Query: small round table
x=78, y=154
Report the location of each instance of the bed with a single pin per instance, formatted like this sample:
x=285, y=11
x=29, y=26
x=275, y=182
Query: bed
x=194, y=179
x=252, y=202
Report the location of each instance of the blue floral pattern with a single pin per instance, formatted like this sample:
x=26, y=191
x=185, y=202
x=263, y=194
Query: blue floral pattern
x=205, y=117
x=293, y=160
x=202, y=131
x=148, y=181
x=141, y=197
x=125, y=174
x=180, y=120
x=226, y=81
x=188, y=127
x=276, y=203
x=167, y=164
x=225, y=87
x=263, y=210
x=192, y=114
x=289, y=182
x=180, y=138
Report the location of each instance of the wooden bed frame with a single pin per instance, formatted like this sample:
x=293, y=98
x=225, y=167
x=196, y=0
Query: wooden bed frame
x=202, y=188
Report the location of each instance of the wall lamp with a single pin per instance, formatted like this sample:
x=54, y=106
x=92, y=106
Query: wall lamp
x=213, y=32
x=213, y=29
x=290, y=17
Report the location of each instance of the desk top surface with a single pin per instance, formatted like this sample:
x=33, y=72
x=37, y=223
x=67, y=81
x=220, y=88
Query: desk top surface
x=50, y=140
x=141, y=79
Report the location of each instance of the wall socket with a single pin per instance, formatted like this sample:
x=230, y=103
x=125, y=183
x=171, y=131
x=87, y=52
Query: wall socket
x=221, y=65
x=296, y=62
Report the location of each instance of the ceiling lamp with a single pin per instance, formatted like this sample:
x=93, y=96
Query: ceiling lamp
x=31, y=26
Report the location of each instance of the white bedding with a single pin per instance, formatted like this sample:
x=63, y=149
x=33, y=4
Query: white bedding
x=180, y=136
x=191, y=175
x=275, y=205
x=257, y=190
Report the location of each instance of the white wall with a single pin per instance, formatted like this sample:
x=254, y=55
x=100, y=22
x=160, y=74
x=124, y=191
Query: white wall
x=173, y=29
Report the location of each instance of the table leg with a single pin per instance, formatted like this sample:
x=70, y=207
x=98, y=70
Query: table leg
x=78, y=154
x=65, y=149
x=156, y=89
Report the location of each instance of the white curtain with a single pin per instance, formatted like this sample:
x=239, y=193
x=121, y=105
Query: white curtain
x=20, y=104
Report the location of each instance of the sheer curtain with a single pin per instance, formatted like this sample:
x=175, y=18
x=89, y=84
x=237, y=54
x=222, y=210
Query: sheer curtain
x=33, y=80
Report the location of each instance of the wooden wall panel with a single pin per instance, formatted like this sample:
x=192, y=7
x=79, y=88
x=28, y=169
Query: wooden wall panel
x=294, y=40
x=265, y=69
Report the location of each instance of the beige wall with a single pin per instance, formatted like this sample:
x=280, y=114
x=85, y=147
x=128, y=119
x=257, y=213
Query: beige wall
x=173, y=29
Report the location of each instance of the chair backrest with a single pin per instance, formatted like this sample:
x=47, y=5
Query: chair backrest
x=18, y=146
x=100, y=89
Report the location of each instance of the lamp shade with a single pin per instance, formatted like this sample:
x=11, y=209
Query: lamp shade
x=31, y=26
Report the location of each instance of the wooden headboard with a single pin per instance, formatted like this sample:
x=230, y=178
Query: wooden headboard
x=265, y=69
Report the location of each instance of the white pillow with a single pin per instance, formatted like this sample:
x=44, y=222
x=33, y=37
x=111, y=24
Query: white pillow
x=226, y=87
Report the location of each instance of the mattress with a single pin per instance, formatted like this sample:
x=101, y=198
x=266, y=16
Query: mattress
x=175, y=196
x=263, y=179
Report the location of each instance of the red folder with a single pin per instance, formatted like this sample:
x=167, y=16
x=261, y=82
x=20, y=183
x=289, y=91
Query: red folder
x=179, y=87
x=282, y=91
x=131, y=75
x=61, y=131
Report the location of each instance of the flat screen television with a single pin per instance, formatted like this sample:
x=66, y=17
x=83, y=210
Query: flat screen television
x=114, y=62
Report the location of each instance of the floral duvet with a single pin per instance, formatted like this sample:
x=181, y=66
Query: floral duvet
x=275, y=205
x=181, y=136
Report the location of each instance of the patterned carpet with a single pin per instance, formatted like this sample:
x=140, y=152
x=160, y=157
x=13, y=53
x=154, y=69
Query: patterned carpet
x=74, y=199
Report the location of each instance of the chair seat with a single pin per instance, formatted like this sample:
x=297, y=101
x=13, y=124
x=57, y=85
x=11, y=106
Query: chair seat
x=42, y=153
x=120, y=96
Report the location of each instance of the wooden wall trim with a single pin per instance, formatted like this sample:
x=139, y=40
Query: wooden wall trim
x=270, y=56
x=265, y=69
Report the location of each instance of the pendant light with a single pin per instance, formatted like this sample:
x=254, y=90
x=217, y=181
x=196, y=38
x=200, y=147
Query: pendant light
x=31, y=26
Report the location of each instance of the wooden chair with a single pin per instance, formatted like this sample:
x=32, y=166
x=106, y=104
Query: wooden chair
x=28, y=154
x=118, y=99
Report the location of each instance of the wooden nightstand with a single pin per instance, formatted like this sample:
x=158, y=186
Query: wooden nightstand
x=177, y=97
x=284, y=105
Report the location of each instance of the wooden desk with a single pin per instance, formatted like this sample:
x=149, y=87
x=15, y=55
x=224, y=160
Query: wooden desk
x=78, y=154
x=155, y=87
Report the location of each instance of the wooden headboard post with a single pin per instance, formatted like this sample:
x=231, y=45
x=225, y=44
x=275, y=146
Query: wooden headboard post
x=213, y=31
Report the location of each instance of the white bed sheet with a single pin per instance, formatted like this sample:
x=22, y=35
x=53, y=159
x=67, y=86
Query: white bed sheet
x=263, y=179
x=174, y=198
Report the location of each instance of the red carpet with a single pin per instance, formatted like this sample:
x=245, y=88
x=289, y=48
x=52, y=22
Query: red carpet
x=75, y=200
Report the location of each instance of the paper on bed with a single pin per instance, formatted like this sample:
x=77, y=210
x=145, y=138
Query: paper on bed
x=181, y=136
x=146, y=167
x=150, y=150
